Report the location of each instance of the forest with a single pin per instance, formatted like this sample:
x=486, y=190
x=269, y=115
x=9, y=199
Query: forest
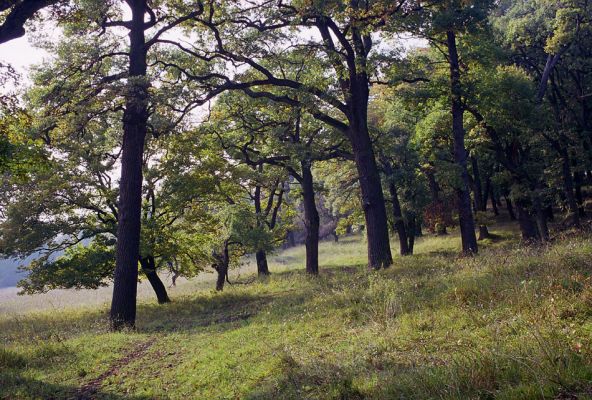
x=393, y=199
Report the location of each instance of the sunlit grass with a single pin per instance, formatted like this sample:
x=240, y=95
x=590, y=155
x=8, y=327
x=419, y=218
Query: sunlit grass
x=513, y=322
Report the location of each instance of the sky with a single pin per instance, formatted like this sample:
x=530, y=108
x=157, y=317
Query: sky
x=21, y=54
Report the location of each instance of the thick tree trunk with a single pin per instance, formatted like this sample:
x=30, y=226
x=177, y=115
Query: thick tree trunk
x=262, y=267
x=379, y=250
x=568, y=186
x=222, y=271
x=528, y=227
x=541, y=219
x=466, y=222
x=311, y=219
x=483, y=232
x=135, y=117
x=221, y=267
x=149, y=268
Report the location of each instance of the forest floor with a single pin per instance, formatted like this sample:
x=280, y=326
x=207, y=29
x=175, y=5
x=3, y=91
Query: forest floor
x=513, y=322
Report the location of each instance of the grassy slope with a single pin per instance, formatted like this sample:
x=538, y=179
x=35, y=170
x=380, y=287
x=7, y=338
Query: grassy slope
x=510, y=323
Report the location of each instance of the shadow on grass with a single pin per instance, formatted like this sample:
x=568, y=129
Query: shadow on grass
x=15, y=384
x=19, y=387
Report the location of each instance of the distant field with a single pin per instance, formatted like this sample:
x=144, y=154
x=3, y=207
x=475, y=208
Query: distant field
x=513, y=322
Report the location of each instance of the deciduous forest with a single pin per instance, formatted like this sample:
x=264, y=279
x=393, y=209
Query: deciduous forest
x=297, y=199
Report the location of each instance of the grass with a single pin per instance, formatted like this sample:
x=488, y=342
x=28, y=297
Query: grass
x=511, y=323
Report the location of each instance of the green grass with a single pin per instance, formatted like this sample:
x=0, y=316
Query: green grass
x=510, y=323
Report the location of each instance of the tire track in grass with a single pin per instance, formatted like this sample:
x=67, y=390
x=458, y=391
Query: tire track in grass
x=91, y=388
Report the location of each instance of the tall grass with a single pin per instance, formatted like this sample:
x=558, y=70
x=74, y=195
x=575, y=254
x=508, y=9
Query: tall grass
x=513, y=322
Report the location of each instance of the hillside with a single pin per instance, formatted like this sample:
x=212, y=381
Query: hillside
x=511, y=323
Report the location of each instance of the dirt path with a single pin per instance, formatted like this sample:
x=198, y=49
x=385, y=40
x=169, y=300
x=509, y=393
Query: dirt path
x=90, y=389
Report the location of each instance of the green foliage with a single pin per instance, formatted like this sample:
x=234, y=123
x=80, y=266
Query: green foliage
x=82, y=266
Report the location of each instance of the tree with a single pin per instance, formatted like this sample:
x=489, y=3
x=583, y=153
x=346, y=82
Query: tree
x=337, y=95
x=269, y=133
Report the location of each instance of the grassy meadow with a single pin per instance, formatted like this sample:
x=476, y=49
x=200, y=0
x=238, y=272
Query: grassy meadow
x=513, y=322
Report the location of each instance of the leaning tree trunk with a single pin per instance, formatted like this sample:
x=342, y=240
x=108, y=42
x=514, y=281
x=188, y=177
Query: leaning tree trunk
x=311, y=220
x=510, y=208
x=379, y=250
x=149, y=268
x=135, y=117
x=399, y=223
x=466, y=222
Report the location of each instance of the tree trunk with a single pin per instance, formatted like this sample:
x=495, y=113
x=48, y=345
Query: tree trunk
x=222, y=271
x=480, y=198
x=262, y=267
x=494, y=200
x=434, y=187
x=149, y=268
x=290, y=240
x=311, y=220
x=221, y=267
x=466, y=222
x=135, y=117
x=260, y=255
x=578, y=182
x=399, y=223
x=411, y=232
x=541, y=219
x=568, y=186
x=379, y=250
x=527, y=224
x=510, y=208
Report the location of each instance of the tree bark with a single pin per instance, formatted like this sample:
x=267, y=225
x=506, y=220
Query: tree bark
x=149, y=268
x=379, y=250
x=262, y=266
x=398, y=221
x=494, y=200
x=480, y=198
x=135, y=117
x=527, y=224
x=260, y=255
x=466, y=222
x=311, y=219
x=221, y=267
x=411, y=232
x=541, y=219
